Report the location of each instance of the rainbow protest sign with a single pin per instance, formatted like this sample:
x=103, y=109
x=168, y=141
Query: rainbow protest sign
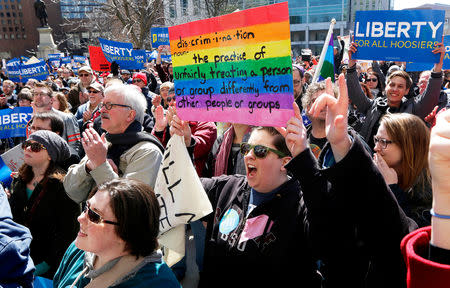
x=235, y=68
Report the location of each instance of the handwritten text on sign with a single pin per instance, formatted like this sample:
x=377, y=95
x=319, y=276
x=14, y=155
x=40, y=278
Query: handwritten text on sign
x=235, y=68
x=407, y=35
x=178, y=189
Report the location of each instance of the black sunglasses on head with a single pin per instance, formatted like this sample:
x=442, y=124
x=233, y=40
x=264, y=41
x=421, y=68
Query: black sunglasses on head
x=94, y=217
x=35, y=146
x=260, y=151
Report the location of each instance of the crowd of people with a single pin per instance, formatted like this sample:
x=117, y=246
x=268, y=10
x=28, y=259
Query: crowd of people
x=332, y=204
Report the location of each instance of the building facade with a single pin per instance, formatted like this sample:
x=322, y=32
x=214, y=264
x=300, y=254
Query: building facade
x=18, y=23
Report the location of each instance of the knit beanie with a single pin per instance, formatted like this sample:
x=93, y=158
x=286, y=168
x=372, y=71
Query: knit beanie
x=57, y=147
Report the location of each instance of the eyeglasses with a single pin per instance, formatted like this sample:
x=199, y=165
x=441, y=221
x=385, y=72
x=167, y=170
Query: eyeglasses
x=136, y=80
x=94, y=217
x=93, y=91
x=40, y=94
x=84, y=75
x=372, y=80
x=383, y=142
x=109, y=105
x=35, y=146
x=260, y=151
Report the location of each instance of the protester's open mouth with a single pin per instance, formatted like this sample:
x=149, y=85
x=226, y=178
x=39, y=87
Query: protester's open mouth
x=251, y=170
x=81, y=233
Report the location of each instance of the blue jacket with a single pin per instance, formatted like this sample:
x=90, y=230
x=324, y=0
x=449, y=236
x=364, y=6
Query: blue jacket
x=16, y=266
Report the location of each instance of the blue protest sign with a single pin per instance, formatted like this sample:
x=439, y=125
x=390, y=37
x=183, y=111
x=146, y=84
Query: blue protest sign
x=79, y=59
x=37, y=71
x=167, y=58
x=13, y=70
x=151, y=55
x=160, y=36
x=140, y=58
x=120, y=52
x=418, y=66
x=13, y=122
x=66, y=60
x=5, y=174
x=54, y=56
x=24, y=59
x=404, y=35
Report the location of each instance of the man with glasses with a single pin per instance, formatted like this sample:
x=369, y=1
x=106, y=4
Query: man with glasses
x=123, y=151
x=90, y=110
x=78, y=94
x=299, y=84
x=42, y=102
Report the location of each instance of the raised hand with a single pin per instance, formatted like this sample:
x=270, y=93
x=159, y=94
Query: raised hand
x=336, y=119
x=180, y=127
x=160, y=119
x=295, y=133
x=439, y=49
x=352, y=50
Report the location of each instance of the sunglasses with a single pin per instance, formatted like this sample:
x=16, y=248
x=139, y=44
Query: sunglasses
x=383, y=142
x=93, y=91
x=94, y=217
x=136, y=80
x=84, y=75
x=109, y=105
x=168, y=99
x=35, y=146
x=260, y=151
x=372, y=80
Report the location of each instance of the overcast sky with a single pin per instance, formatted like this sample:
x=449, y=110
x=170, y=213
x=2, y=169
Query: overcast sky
x=402, y=4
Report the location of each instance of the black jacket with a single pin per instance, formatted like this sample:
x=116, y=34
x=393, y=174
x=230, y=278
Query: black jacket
x=51, y=217
x=280, y=255
x=364, y=222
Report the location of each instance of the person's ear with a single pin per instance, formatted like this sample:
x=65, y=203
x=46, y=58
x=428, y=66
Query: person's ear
x=285, y=161
x=131, y=115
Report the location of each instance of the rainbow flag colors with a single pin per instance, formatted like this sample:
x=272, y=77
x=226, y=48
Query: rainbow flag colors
x=327, y=69
x=235, y=68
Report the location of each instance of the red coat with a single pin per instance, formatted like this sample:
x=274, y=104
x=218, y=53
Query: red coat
x=423, y=273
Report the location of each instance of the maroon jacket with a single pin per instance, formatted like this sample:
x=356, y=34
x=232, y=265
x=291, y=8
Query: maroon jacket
x=423, y=273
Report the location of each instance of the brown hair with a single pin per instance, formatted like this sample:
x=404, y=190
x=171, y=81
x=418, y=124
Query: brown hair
x=63, y=104
x=279, y=142
x=411, y=134
x=401, y=74
x=137, y=211
x=43, y=85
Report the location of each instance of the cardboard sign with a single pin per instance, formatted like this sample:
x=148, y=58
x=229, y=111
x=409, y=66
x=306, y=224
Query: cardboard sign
x=417, y=66
x=13, y=158
x=235, y=68
x=98, y=60
x=160, y=36
x=13, y=122
x=406, y=35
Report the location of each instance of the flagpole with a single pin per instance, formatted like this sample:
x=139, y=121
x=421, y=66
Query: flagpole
x=324, y=51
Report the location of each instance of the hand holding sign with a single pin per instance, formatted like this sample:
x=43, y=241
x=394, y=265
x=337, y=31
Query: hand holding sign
x=336, y=119
x=352, y=50
x=180, y=127
x=295, y=133
x=439, y=49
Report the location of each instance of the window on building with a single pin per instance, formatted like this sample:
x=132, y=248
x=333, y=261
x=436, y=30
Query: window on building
x=24, y=36
x=4, y=29
x=172, y=9
x=6, y=36
x=8, y=14
x=1, y=36
x=6, y=7
x=2, y=14
x=20, y=14
x=18, y=36
x=9, y=21
x=12, y=36
x=295, y=19
x=184, y=6
x=14, y=14
x=13, y=7
x=1, y=7
x=10, y=29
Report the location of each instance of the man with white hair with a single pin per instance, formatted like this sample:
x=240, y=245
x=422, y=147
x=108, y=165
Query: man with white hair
x=123, y=151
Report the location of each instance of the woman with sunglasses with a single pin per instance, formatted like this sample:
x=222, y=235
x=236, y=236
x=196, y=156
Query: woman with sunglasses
x=374, y=83
x=401, y=155
x=39, y=201
x=117, y=243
